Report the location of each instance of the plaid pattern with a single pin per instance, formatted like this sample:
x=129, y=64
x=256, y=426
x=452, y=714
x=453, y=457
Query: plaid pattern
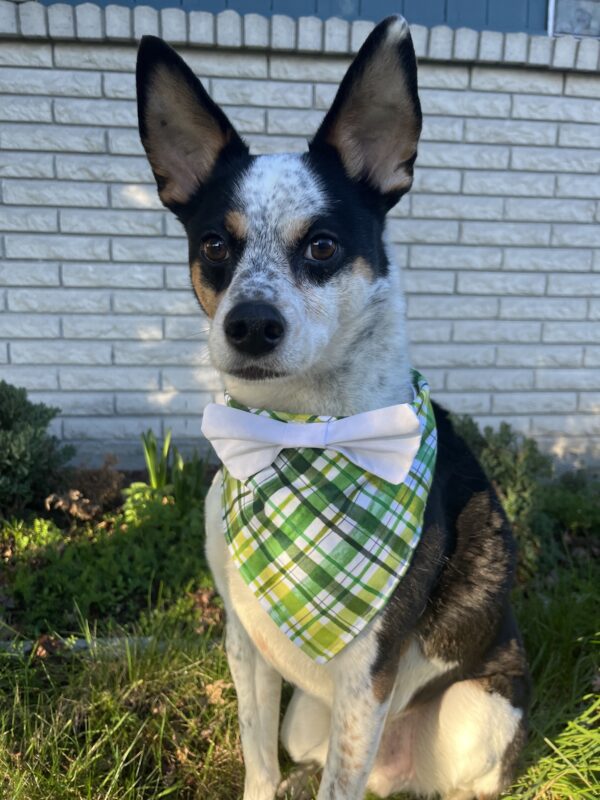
x=322, y=543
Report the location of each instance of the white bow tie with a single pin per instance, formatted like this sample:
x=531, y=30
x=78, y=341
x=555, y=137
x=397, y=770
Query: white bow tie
x=383, y=442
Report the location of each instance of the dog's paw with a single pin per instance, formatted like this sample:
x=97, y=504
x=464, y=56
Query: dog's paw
x=300, y=784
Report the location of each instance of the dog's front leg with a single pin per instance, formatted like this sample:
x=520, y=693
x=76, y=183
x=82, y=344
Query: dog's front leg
x=357, y=722
x=258, y=689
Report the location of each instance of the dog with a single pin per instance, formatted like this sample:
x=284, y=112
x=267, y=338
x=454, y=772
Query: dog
x=290, y=262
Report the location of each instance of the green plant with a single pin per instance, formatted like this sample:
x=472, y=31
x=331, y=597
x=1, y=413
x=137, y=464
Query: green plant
x=31, y=461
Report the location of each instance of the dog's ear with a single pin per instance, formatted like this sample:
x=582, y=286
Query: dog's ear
x=375, y=120
x=183, y=131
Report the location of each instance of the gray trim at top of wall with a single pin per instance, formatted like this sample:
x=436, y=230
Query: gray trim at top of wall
x=307, y=35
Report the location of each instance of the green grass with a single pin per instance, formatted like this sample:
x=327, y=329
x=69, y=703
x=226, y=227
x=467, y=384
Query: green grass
x=160, y=721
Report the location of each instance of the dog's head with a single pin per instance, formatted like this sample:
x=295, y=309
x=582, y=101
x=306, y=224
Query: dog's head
x=286, y=252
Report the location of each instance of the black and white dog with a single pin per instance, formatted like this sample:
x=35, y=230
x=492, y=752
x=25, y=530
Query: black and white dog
x=289, y=260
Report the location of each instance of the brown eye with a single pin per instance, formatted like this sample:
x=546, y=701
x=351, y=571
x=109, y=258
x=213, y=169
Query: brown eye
x=321, y=248
x=215, y=249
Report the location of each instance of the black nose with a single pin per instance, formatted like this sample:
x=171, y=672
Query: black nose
x=254, y=328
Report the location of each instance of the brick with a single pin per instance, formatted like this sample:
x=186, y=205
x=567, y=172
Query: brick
x=571, y=332
x=177, y=277
x=491, y=46
x=450, y=207
x=69, y=248
x=88, y=326
x=77, y=403
x=113, y=222
x=540, y=50
x=167, y=353
x=592, y=359
x=58, y=301
x=25, y=109
x=577, y=135
x=465, y=402
x=28, y=326
x=310, y=34
x=229, y=29
x=109, y=378
x=23, y=273
x=324, y=94
x=118, y=85
x=16, y=80
x=422, y=231
x=174, y=226
x=26, y=54
x=561, y=159
x=436, y=180
x=31, y=377
x=542, y=309
x=117, y=20
x=565, y=52
x=578, y=186
x=95, y=57
x=505, y=233
x=125, y=141
x=594, y=310
x=434, y=154
x=103, y=168
x=429, y=256
x=307, y=68
x=260, y=145
x=451, y=307
x=466, y=44
x=336, y=35
x=510, y=132
x=428, y=282
x=491, y=380
x=293, y=122
x=539, y=356
x=452, y=355
x=451, y=76
x=555, y=108
x=256, y=31
x=511, y=183
x=61, y=22
x=136, y=276
x=581, y=235
x=578, y=285
x=202, y=27
x=96, y=112
x=590, y=402
x=247, y=120
x=496, y=331
x=465, y=104
x=145, y=21
x=8, y=18
x=550, y=210
x=52, y=137
x=527, y=81
x=150, y=302
x=173, y=25
x=60, y=352
x=88, y=21
x=358, y=34
x=54, y=193
x=259, y=93
x=532, y=402
x=582, y=424
x=583, y=85
x=547, y=260
x=420, y=37
x=212, y=63
x=193, y=328
x=443, y=129
x=515, y=47
x=588, y=55
x=283, y=32
x=190, y=378
x=441, y=40
x=429, y=331
x=162, y=403
x=114, y=428
x=500, y=283
x=148, y=249
x=25, y=219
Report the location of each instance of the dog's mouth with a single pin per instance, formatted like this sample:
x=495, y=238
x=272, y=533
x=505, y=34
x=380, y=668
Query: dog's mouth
x=255, y=373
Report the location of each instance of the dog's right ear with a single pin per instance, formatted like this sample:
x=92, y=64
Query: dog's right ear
x=183, y=131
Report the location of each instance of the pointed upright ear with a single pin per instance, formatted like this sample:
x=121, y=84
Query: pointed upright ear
x=183, y=131
x=375, y=120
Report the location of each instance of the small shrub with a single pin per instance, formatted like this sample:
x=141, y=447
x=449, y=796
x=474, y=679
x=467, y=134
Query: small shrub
x=31, y=461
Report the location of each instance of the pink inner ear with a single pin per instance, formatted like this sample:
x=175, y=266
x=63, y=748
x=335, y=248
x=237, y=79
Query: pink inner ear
x=183, y=140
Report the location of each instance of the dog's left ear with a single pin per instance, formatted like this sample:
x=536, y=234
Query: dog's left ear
x=375, y=120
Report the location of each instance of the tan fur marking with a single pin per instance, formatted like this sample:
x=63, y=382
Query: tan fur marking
x=362, y=267
x=293, y=229
x=209, y=299
x=237, y=224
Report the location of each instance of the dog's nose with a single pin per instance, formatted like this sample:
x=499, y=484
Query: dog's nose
x=254, y=328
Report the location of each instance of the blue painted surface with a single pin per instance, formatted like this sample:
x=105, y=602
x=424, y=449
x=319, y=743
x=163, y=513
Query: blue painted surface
x=529, y=16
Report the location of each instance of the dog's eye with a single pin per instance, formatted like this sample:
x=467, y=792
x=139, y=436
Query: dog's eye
x=215, y=249
x=321, y=248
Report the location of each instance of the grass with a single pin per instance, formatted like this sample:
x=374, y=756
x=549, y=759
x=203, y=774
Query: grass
x=159, y=721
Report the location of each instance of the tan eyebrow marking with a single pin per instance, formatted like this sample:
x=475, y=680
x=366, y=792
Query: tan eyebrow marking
x=292, y=229
x=209, y=299
x=361, y=266
x=237, y=224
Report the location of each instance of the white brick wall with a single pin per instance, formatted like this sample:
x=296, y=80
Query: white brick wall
x=499, y=238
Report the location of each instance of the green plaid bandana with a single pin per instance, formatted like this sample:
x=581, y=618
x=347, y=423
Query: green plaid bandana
x=322, y=543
